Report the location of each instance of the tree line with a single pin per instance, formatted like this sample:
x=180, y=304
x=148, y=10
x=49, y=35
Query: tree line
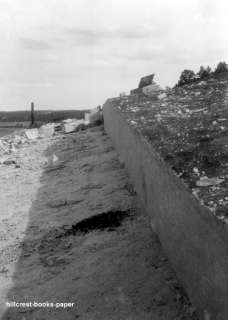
x=189, y=76
x=41, y=115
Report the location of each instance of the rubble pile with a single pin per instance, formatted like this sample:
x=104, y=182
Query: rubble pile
x=11, y=143
x=188, y=127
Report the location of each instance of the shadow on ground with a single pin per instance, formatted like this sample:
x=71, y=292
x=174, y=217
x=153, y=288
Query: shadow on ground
x=87, y=252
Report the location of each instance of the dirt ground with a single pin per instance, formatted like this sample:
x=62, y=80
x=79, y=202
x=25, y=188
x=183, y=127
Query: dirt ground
x=72, y=231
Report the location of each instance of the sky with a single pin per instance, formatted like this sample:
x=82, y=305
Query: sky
x=72, y=54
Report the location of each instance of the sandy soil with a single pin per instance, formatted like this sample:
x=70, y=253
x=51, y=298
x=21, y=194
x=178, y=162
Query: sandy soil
x=72, y=231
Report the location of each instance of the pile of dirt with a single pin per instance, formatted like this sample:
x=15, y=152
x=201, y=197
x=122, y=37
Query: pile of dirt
x=188, y=127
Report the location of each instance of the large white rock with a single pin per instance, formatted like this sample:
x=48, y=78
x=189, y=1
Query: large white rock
x=32, y=134
x=47, y=130
x=87, y=118
x=71, y=126
x=68, y=128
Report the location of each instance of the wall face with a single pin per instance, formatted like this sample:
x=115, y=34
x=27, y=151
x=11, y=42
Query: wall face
x=194, y=240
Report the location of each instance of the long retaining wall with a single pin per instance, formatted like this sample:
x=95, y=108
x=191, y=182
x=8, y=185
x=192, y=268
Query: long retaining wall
x=193, y=239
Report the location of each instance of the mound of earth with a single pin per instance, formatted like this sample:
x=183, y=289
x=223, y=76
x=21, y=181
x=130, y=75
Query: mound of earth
x=188, y=127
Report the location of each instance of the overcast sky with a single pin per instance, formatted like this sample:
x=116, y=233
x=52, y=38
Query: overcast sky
x=78, y=53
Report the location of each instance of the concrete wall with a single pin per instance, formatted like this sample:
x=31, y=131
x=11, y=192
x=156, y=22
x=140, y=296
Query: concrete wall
x=194, y=240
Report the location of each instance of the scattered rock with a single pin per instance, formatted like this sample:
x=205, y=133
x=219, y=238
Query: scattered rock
x=205, y=181
x=188, y=129
x=162, y=95
x=152, y=90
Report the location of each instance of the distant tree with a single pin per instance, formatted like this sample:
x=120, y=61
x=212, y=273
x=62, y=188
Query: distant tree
x=204, y=72
x=187, y=76
x=221, y=67
x=209, y=70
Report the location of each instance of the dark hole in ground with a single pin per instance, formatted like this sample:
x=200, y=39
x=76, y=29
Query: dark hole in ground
x=55, y=239
x=107, y=220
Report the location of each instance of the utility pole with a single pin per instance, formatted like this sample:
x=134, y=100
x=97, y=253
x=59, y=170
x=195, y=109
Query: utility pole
x=32, y=114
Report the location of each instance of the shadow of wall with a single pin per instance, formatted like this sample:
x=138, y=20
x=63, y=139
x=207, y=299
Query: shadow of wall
x=39, y=263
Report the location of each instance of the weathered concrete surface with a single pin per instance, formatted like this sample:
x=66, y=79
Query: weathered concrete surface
x=114, y=273
x=195, y=242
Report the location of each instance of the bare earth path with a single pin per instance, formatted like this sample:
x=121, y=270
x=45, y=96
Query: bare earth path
x=72, y=231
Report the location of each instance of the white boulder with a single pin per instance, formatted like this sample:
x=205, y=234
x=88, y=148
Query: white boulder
x=47, y=130
x=32, y=134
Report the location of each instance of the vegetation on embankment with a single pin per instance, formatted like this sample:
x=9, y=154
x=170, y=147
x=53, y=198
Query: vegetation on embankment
x=188, y=126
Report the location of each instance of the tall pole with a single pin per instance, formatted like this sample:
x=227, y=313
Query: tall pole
x=32, y=113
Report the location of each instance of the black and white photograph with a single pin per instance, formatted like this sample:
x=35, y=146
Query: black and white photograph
x=113, y=160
